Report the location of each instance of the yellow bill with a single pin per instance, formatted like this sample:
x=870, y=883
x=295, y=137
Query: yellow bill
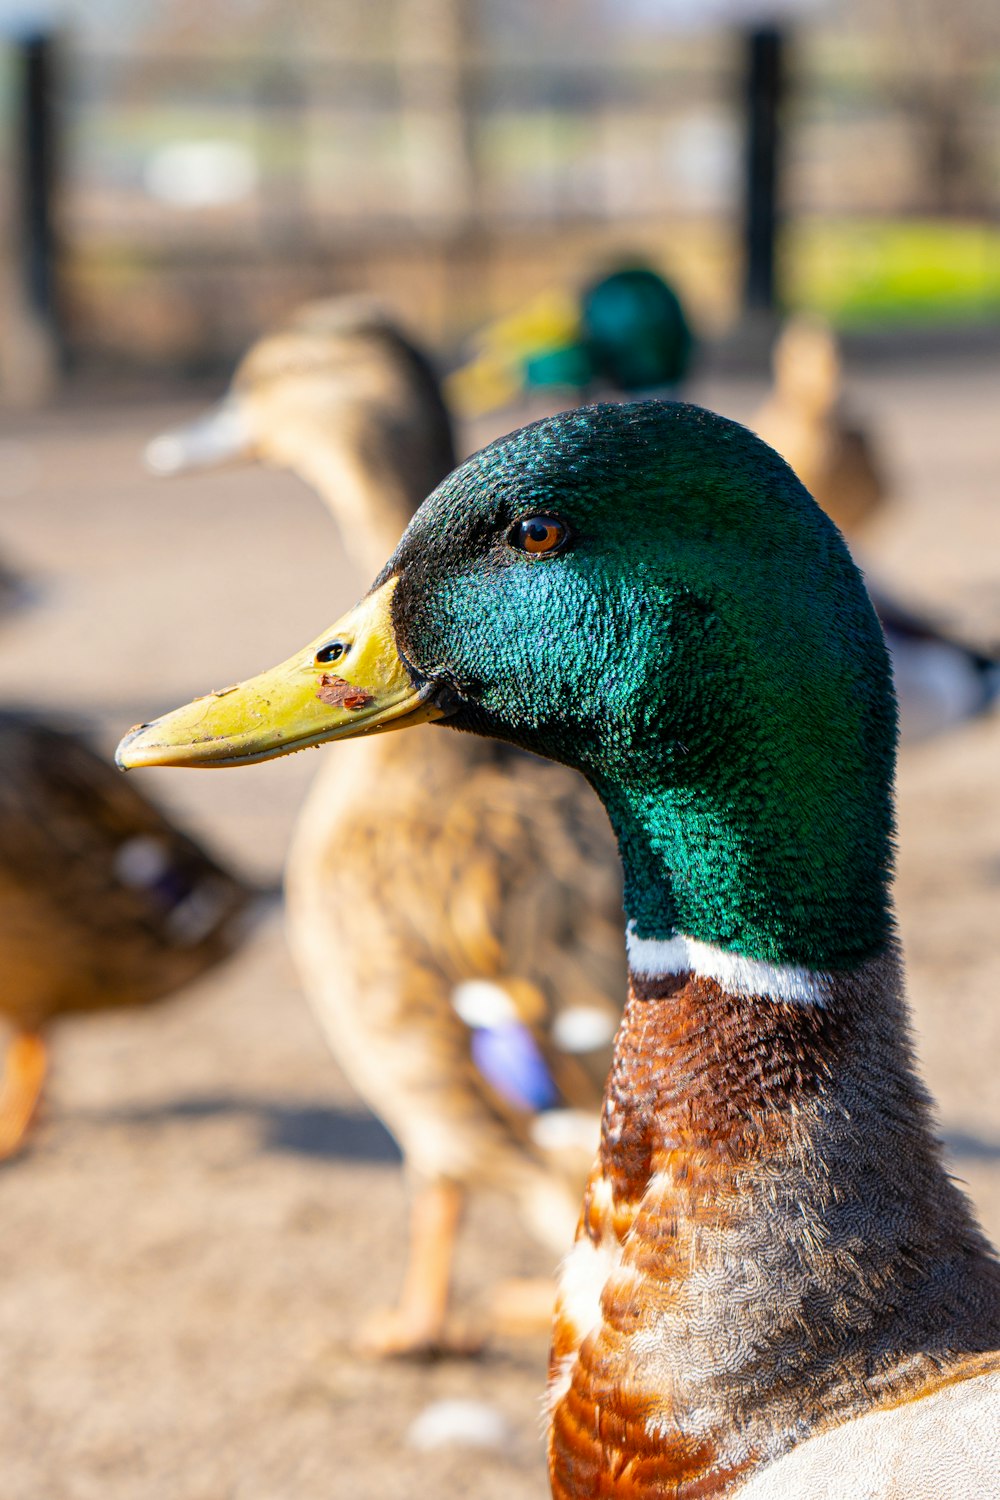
x=349, y=681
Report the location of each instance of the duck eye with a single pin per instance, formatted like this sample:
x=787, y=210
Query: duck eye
x=538, y=535
x=332, y=651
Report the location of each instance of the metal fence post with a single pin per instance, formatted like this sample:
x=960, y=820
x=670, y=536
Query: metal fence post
x=764, y=94
x=37, y=167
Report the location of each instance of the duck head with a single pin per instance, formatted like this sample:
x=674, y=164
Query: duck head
x=648, y=594
x=342, y=398
x=626, y=332
x=807, y=366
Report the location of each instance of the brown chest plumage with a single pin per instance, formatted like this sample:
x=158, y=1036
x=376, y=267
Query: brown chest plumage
x=768, y=1244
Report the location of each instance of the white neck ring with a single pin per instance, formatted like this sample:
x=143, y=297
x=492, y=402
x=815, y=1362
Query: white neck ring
x=736, y=973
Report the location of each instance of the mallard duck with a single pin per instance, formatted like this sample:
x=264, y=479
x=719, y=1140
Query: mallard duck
x=940, y=681
x=103, y=902
x=625, y=331
x=776, y=1289
x=805, y=418
x=457, y=929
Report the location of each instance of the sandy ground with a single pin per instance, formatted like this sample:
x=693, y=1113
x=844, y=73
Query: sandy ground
x=206, y=1211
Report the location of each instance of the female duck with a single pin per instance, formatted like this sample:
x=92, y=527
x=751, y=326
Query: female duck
x=775, y=1290
x=940, y=681
x=104, y=903
x=454, y=906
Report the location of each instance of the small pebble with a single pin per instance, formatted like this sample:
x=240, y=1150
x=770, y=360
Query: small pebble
x=459, y=1424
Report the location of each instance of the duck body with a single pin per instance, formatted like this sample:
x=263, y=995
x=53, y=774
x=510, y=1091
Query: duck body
x=447, y=877
x=804, y=418
x=770, y=1256
x=410, y=932
x=942, y=1443
x=726, y=1295
x=446, y=870
x=104, y=903
x=940, y=680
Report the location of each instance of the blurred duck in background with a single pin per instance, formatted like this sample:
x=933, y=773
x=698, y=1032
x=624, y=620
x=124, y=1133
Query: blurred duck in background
x=454, y=906
x=939, y=681
x=625, y=334
x=806, y=420
x=15, y=591
x=104, y=903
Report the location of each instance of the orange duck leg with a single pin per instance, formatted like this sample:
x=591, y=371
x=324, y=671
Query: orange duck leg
x=418, y=1326
x=25, y=1067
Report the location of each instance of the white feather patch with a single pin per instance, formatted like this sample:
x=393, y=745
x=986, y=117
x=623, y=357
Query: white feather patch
x=583, y=1028
x=736, y=973
x=559, y=1383
x=567, y=1130
x=584, y=1275
x=482, y=1004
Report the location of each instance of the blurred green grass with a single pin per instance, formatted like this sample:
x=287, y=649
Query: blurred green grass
x=868, y=270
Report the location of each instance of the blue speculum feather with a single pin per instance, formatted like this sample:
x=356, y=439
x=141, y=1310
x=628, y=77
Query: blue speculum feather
x=508, y=1057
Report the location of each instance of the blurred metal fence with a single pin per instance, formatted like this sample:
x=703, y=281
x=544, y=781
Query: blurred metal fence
x=369, y=147
x=184, y=173
x=365, y=149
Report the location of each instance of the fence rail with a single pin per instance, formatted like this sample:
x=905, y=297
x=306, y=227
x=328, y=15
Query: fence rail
x=198, y=192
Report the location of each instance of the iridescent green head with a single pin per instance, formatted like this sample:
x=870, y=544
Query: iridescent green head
x=646, y=593
x=697, y=642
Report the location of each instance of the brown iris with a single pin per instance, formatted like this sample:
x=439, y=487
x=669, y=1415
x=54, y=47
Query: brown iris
x=538, y=535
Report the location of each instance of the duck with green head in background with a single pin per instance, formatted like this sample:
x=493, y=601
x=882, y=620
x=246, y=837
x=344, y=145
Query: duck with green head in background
x=776, y=1290
x=624, y=332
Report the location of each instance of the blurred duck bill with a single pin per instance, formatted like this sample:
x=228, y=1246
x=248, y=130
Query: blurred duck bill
x=221, y=435
x=349, y=682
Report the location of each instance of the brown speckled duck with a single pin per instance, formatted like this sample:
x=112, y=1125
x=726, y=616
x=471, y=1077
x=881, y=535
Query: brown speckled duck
x=940, y=681
x=776, y=1290
x=103, y=901
x=804, y=418
x=454, y=908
